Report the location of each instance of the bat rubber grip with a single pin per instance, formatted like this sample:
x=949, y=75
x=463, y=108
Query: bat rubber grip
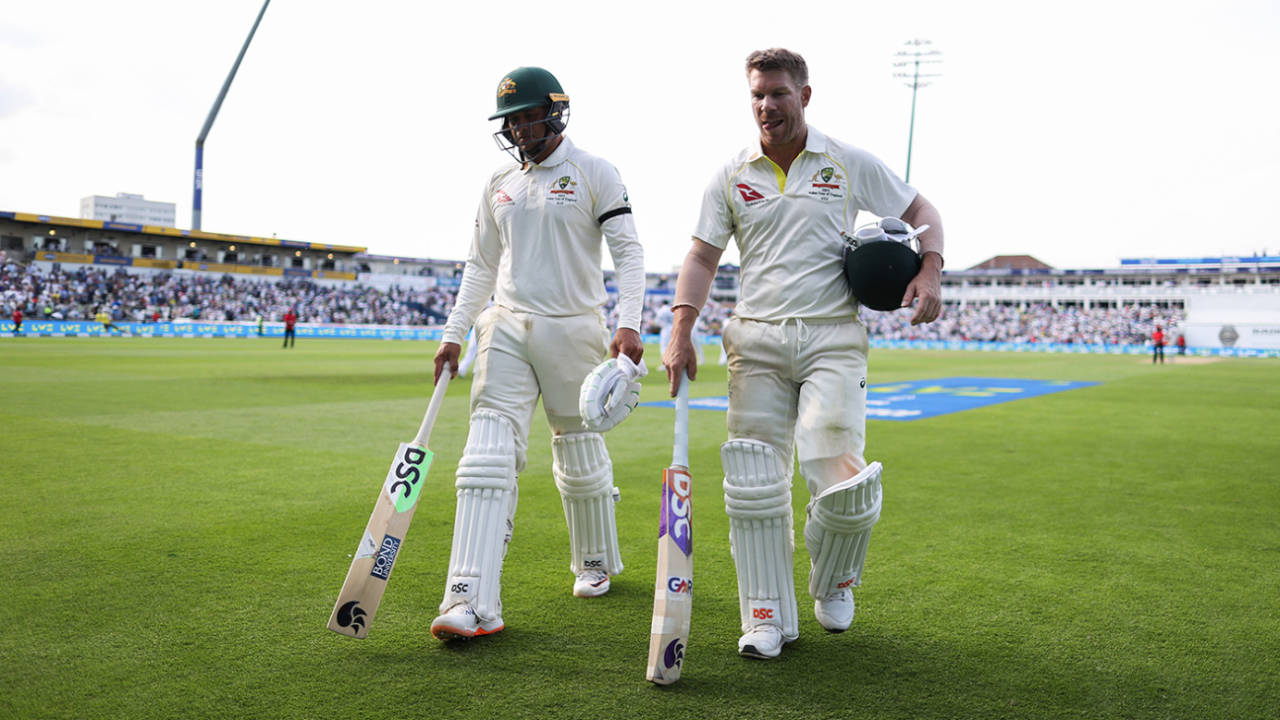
x=680, y=450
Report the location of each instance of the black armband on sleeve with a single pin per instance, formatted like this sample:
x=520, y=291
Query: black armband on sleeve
x=624, y=210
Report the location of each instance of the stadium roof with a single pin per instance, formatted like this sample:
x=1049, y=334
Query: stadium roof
x=157, y=230
x=1012, y=262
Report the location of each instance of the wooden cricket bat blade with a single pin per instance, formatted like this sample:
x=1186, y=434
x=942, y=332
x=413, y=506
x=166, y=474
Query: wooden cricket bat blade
x=375, y=557
x=673, y=584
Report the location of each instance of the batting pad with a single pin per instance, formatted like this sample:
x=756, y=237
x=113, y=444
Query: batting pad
x=839, y=529
x=757, y=497
x=584, y=475
x=482, y=526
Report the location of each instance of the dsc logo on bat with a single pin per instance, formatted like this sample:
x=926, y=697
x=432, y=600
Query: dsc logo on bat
x=675, y=509
x=404, y=480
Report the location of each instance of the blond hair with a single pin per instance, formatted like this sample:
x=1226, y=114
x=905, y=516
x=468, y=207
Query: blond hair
x=780, y=59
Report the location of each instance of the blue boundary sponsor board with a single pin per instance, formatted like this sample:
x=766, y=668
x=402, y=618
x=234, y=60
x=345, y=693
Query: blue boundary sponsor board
x=920, y=399
x=93, y=328
x=58, y=328
x=1067, y=348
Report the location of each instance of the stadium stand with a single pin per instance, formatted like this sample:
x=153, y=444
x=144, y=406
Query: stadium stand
x=79, y=291
x=1217, y=303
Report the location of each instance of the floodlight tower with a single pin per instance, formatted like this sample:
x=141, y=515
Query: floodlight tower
x=918, y=53
x=198, y=182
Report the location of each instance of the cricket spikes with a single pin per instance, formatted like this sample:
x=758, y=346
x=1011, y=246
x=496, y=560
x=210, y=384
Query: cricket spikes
x=762, y=642
x=461, y=623
x=591, y=583
x=835, y=611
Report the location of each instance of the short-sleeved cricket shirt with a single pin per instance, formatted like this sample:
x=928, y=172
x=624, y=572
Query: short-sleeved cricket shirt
x=789, y=225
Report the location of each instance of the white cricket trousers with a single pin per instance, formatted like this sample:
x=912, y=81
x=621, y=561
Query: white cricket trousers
x=803, y=385
x=523, y=355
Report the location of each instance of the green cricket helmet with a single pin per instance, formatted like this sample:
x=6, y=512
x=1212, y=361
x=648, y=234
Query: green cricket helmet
x=526, y=88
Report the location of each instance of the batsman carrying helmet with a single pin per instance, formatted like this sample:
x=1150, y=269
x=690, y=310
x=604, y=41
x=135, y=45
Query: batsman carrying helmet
x=797, y=350
x=537, y=251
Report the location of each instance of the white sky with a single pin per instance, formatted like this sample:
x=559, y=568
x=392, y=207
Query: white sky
x=1078, y=132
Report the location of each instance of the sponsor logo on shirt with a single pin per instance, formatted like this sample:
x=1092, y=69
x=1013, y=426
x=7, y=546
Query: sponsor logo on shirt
x=502, y=197
x=749, y=194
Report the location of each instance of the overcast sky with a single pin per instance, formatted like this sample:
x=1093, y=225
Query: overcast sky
x=1080, y=132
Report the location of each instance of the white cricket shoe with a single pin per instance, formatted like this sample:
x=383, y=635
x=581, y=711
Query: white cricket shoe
x=461, y=623
x=763, y=642
x=591, y=583
x=835, y=611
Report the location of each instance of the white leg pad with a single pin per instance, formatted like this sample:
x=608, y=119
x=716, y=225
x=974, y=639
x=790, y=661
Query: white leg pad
x=757, y=497
x=584, y=476
x=482, y=525
x=839, y=529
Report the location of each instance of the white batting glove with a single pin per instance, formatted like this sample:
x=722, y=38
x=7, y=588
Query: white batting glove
x=610, y=392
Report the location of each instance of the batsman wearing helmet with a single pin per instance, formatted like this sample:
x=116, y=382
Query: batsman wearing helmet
x=797, y=352
x=537, y=251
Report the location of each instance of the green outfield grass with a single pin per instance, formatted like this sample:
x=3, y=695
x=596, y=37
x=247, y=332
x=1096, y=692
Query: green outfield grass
x=176, y=517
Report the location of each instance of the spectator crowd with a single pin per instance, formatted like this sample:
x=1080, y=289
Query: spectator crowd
x=82, y=292
x=1031, y=323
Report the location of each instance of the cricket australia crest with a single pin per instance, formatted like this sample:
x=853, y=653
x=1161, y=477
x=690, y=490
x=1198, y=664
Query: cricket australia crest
x=827, y=184
x=563, y=191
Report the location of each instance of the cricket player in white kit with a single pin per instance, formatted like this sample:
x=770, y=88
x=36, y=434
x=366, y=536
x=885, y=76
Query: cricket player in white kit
x=796, y=348
x=537, y=250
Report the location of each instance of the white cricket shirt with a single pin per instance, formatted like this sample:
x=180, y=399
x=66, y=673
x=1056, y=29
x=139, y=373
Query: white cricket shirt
x=788, y=226
x=537, y=242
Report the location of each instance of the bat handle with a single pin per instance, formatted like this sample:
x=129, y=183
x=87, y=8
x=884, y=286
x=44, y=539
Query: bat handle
x=680, y=450
x=433, y=409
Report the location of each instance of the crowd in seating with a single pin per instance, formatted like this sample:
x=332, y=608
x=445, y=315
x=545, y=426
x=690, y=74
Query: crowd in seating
x=80, y=292
x=710, y=321
x=1032, y=323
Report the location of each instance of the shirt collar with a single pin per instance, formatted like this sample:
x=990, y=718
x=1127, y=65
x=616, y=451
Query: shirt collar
x=815, y=142
x=557, y=156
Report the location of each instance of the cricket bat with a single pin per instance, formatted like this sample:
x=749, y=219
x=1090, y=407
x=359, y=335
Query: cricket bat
x=375, y=557
x=673, y=588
